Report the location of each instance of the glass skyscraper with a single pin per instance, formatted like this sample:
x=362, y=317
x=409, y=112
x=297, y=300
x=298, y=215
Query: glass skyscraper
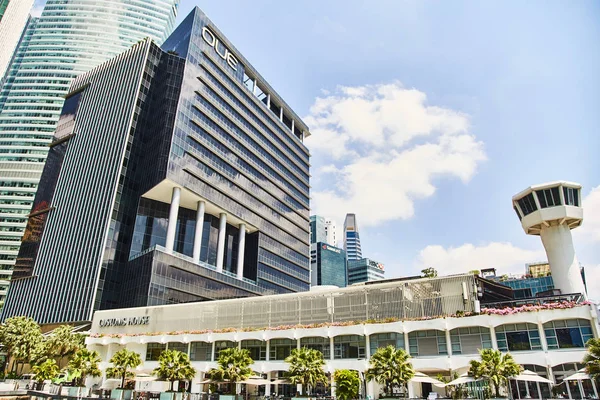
x=328, y=265
x=70, y=38
x=318, y=233
x=13, y=19
x=365, y=270
x=176, y=174
x=352, y=238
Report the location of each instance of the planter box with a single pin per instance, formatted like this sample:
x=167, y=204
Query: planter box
x=230, y=397
x=120, y=394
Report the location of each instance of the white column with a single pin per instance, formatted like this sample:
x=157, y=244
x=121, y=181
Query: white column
x=367, y=346
x=331, y=348
x=494, y=338
x=332, y=383
x=198, y=232
x=542, y=334
x=221, y=242
x=173, y=212
x=594, y=387
x=268, y=387
x=241, y=248
x=448, y=342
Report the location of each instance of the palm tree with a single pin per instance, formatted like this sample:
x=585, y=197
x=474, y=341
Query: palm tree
x=47, y=370
x=122, y=361
x=306, y=368
x=390, y=367
x=592, y=358
x=495, y=367
x=84, y=363
x=233, y=367
x=347, y=384
x=62, y=342
x=174, y=366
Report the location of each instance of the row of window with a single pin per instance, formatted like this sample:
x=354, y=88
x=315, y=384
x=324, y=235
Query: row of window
x=560, y=334
x=548, y=198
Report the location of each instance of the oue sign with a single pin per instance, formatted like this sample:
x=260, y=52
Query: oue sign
x=219, y=47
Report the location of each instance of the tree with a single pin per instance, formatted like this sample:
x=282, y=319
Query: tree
x=233, y=367
x=347, y=384
x=22, y=339
x=429, y=272
x=122, y=361
x=47, y=370
x=174, y=366
x=591, y=360
x=82, y=364
x=495, y=367
x=390, y=367
x=62, y=342
x=306, y=368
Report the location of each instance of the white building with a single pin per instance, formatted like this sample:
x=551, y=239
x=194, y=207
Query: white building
x=433, y=319
x=13, y=18
x=330, y=231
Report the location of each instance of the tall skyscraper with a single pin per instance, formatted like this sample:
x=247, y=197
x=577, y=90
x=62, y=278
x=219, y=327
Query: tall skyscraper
x=330, y=231
x=352, y=238
x=13, y=19
x=327, y=265
x=176, y=175
x=317, y=229
x=70, y=38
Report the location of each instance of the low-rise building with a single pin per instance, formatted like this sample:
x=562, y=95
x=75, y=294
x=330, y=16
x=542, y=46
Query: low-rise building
x=442, y=322
x=365, y=270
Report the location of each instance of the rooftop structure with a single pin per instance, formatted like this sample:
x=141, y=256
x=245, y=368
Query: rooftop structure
x=550, y=211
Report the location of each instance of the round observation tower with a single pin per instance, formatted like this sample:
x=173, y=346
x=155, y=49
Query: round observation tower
x=550, y=211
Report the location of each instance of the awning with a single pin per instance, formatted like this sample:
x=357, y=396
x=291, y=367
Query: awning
x=421, y=377
x=529, y=376
x=461, y=380
x=580, y=375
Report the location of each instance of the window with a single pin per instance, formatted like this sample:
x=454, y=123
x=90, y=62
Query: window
x=518, y=213
x=249, y=83
x=154, y=350
x=527, y=204
x=549, y=197
x=200, y=351
x=317, y=343
x=279, y=349
x=470, y=340
x=518, y=337
x=427, y=343
x=349, y=346
x=571, y=196
x=379, y=340
x=257, y=349
x=222, y=345
x=566, y=334
x=183, y=347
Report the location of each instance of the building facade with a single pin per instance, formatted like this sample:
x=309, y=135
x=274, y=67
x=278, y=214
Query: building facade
x=330, y=231
x=70, y=38
x=348, y=325
x=318, y=231
x=14, y=15
x=200, y=191
x=352, y=238
x=365, y=270
x=328, y=265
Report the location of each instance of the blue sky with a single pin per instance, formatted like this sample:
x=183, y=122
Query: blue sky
x=428, y=116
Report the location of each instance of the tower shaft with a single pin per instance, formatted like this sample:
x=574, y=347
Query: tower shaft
x=566, y=273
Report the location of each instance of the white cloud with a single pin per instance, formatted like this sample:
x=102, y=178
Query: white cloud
x=378, y=148
x=589, y=232
x=505, y=257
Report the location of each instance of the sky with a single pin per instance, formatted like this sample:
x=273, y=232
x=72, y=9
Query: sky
x=428, y=116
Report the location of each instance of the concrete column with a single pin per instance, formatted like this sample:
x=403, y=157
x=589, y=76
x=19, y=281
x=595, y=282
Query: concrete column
x=542, y=336
x=494, y=339
x=221, y=242
x=198, y=232
x=367, y=346
x=332, y=383
x=268, y=387
x=173, y=212
x=448, y=342
x=594, y=387
x=331, y=348
x=241, y=248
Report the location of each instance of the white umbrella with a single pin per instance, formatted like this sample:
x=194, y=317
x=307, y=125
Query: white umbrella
x=421, y=377
x=578, y=376
x=110, y=384
x=144, y=378
x=529, y=376
x=280, y=382
x=461, y=380
x=256, y=381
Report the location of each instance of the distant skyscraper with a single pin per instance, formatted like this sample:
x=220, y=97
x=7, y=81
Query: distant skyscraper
x=327, y=265
x=13, y=18
x=365, y=270
x=330, y=231
x=352, y=238
x=70, y=38
x=317, y=229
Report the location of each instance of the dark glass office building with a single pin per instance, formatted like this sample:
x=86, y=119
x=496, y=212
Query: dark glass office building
x=176, y=174
x=328, y=265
